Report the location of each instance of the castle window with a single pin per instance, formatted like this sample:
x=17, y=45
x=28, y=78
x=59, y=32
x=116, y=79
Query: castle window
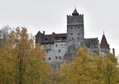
x=56, y=45
x=72, y=38
x=56, y=57
x=71, y=27
x=49, y=58
x=77, y=38
x=59, y=51
x=78, y=27
x=71, y=33
x=78, y=33
x=61, y=44
x=59, y=57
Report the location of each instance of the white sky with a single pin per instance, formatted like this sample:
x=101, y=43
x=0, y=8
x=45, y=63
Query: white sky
x=50, y=16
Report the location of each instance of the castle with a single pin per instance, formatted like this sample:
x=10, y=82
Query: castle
x=63, y=46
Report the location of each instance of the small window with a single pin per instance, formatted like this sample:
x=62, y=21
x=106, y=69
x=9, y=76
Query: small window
x=78, y=27
x=44, y=45
x=56, y=57
x=72, y=38
x=56, y=45
x=61, y=44
x=71, y=27
x=59, y=51
x=59, y=57
x=71, y=33
x=77, y=38
x=78, y=33
x=49, y=58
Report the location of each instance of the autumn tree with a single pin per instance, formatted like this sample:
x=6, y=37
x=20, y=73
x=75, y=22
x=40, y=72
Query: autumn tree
x=90, y=69
x=60, y=75
x=82, y=68
x=109, y=69
x=21, y=61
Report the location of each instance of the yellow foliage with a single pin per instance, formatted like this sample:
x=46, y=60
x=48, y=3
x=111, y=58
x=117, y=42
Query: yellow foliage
x=87, y=69
x=21, y=62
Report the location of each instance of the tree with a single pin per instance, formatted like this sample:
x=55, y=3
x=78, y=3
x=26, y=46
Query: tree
x=110, y=70
x=5, y=31
x=22, y=61
x=60, y=76
x=82, y=68
x=97, y=69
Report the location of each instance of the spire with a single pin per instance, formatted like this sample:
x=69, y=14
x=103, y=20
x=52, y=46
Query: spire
x=104, y=43
x=75, y=12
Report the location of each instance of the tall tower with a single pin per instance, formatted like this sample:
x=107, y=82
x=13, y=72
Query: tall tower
x=75, y=34
x=75, y=29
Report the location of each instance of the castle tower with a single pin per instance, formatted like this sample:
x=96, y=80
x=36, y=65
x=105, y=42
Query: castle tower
x=75, y=34
x=75, y=29
x=104, y=45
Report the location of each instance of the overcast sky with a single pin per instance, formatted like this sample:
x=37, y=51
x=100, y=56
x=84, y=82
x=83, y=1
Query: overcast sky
x=50, y=16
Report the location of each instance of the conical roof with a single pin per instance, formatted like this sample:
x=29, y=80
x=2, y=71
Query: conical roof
x=75, y=12
x=104, y=43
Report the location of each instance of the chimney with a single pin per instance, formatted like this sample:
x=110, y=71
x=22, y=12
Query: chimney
x=113, y=50
x=43, y=32
x=53, y=36
x=53, y=33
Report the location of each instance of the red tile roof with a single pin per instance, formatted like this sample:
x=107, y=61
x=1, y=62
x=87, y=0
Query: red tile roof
x=50, y=38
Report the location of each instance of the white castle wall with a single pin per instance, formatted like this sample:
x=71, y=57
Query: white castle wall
x=55, y=51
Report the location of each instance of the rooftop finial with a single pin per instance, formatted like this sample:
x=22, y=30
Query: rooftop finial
x=75, y=11
x=103, y=31
x=75, y=4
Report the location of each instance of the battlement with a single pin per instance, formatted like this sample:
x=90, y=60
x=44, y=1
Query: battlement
x=72, y=15
x=75, y=20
